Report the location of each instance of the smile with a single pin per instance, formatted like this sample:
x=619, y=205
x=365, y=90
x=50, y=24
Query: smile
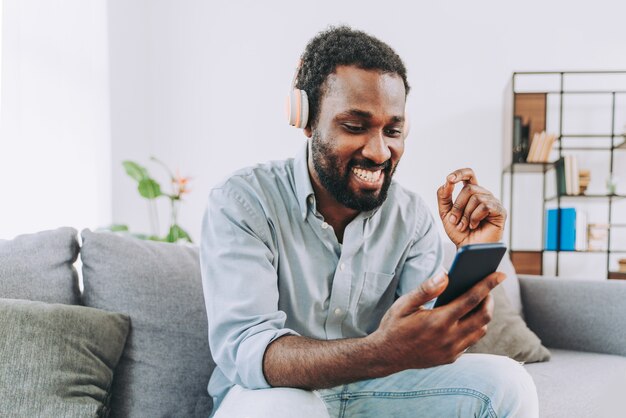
x=367, y=176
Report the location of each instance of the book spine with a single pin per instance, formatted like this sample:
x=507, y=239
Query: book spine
x=568, y=229
x=550, y=238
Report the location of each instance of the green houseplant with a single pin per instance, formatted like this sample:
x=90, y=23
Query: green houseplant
x=151, y=190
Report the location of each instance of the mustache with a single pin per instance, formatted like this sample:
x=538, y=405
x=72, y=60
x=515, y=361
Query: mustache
x=371, y=165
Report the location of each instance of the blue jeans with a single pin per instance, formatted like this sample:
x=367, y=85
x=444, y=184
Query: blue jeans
x=476, y=385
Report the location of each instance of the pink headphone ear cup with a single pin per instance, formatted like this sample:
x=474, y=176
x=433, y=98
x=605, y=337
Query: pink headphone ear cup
x=297, y=108
x=304, y=108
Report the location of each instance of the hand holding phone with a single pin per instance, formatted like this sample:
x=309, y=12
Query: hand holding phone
x=472, y=263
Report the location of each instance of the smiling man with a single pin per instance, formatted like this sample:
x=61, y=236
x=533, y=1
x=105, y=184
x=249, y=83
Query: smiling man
x=320, y=272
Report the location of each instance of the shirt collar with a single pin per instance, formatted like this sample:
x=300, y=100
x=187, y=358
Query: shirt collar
x=304, y=189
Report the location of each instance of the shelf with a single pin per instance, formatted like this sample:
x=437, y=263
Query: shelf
x=617, y=275
x=530, y=106
x=586, y=196
x=587, y=251
x=529, y=167
x=565, y=92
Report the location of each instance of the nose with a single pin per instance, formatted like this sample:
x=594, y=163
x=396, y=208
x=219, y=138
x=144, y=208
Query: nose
x=376, y=149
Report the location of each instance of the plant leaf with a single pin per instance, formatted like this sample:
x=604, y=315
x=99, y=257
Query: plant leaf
x=118, y=228
x=134, y=170
x=149, y=188
x=177, y=233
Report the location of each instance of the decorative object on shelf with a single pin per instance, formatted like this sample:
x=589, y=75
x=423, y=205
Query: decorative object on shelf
x=622, y=265
x=521, y=131
x=584, y=178
x=572, y=233
x=150, y=189
x=597, y=237
x=611, y=184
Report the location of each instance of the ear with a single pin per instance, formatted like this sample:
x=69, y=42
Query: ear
x=308, y=131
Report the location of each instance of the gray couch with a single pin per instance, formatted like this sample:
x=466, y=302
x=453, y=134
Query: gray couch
x=165, y=365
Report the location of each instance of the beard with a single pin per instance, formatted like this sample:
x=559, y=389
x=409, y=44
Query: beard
x=334, y=174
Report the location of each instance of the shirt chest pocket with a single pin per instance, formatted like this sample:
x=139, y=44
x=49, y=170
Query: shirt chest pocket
x=377, y=293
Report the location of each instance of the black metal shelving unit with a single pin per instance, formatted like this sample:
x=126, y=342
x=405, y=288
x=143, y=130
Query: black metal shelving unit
x=617, y=142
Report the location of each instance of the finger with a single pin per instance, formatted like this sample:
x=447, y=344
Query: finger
x=466, y=175
x=458, y=207
x=468, y=301
x=482, y=211
x=425, y=292
x=444, y=199
x=480, y=316
x=472, y=338
x=474, y=202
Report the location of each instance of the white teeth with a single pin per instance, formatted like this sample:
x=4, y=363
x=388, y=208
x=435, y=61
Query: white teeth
x=367, y=175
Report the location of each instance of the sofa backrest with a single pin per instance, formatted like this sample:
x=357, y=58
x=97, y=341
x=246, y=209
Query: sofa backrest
x=166, y=365
x=40, y=267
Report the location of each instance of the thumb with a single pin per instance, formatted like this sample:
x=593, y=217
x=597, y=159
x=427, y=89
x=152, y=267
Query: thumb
x=425, y=292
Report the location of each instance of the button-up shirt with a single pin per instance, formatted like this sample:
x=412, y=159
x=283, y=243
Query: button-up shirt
x=272, y=266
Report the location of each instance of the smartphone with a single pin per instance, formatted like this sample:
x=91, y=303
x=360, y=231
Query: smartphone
x=472, y=263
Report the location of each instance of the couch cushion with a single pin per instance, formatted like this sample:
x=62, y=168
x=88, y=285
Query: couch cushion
x=507, y=334
x=575, y=384
x=40, y=267
x=57, y=360
x=165, y=368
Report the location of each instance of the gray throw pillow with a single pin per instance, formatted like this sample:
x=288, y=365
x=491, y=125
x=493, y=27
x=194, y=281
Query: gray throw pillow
x=40, y=267
x=166, y=365
x=57, y=360
x=508, y=335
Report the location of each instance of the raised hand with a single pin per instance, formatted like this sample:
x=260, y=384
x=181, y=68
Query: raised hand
x=476, y=216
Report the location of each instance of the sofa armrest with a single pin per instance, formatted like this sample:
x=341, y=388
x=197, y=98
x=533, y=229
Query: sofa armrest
x=575, y=314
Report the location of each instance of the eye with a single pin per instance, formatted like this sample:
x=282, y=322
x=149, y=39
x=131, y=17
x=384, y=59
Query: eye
x=355, y=129
x=392, y=132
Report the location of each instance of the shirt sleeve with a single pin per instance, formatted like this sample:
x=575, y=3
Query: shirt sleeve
x=425, y=255
x=240, y=287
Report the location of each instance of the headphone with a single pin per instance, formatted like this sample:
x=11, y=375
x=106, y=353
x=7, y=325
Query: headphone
x=297, y=106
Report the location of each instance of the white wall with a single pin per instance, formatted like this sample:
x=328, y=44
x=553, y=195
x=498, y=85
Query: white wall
x=218, y=78
x=54, y=139
x=201, y=85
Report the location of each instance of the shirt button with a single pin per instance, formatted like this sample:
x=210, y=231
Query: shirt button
x=324, y=225
x=338, y=311
x=342, y=266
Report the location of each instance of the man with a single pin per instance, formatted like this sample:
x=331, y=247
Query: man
x=319, y=271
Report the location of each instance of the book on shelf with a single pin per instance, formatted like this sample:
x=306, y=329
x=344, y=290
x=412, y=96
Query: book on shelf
x=567, y=176
x=540, y=147
x=572, y=230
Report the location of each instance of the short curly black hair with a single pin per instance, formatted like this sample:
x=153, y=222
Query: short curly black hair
x=342, y=45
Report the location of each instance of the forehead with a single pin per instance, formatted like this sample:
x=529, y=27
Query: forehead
x=351, y=87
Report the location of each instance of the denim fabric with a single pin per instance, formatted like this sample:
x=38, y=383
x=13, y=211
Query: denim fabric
x=476, y=385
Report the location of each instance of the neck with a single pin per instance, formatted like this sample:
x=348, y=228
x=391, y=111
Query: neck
x=334, y=213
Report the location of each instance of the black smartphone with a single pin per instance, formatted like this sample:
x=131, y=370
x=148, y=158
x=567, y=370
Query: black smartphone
x=472, y=263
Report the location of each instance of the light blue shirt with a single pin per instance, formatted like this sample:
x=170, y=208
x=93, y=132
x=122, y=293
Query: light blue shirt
x=271, y=266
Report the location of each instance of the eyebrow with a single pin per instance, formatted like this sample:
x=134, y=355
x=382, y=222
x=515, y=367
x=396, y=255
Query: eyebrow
x=366, y=115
